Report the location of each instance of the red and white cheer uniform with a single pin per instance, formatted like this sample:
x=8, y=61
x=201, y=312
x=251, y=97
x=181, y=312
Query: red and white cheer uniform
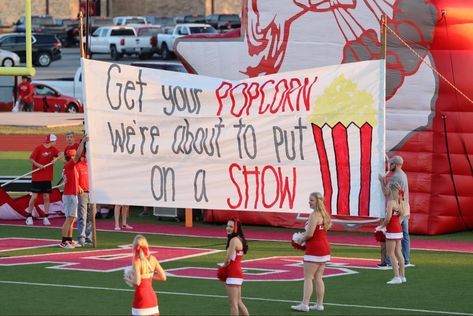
x=317, y=247
x=145, y=301
x=234, y=272
x=394, y=228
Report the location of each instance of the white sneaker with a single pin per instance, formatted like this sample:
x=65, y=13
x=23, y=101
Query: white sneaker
x=409, y=265
x=316, y=307
x=395, y=280
x=300, y=308
x=29, y=221
x=403, y=279
x=46, y=221
x=66, y=245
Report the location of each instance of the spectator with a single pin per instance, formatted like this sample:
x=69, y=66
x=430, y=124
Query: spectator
x=317, y=253
x=70, y=141
x=85, y=209
x=124, y=211
x=26, y=92
x=43, y=158
x=399, y=176
x=69, y=196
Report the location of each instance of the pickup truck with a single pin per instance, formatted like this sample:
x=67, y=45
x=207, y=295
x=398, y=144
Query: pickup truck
x=146, y=39
x=165, y=42
x=114, y=40
x=44, y=24
x=68, y=86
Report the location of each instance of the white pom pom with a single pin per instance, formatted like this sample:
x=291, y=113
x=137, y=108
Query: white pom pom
x=129, y=276
x=380, y=228
x=298, y=238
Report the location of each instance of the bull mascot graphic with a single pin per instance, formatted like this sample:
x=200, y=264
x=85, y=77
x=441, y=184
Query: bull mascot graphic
x=426, y=116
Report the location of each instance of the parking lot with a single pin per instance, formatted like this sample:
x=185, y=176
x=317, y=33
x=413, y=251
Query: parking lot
x=70, y=61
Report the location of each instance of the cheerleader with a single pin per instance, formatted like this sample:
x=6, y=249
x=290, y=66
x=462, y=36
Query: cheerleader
x=317, y=253
x=392, y=223
x=145, y=269
x=236, y=248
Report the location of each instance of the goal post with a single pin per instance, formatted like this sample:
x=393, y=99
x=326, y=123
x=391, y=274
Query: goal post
x=29, y=70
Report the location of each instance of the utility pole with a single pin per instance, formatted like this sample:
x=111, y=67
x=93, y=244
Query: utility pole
x=47, y=7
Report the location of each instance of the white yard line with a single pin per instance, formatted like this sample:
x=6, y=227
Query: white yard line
x=246, y=298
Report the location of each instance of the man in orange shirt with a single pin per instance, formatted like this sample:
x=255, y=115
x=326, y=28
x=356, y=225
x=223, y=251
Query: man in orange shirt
x=43, y=158
x=26, y=92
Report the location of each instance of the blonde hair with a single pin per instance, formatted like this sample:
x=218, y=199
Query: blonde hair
x=394, y=189
x=320, y=208
x=141, y=253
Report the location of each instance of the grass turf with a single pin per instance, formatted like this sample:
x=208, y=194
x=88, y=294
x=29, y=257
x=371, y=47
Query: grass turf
x=439, y=282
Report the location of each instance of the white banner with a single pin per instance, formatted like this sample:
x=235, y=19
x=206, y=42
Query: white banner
x=169, y=139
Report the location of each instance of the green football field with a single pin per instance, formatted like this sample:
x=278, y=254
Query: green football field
x=441, y=283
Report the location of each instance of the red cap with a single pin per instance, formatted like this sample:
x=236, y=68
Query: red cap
x=51, y=138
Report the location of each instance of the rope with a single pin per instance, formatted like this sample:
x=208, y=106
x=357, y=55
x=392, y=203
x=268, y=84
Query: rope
x=444, y=118
x=427, y=64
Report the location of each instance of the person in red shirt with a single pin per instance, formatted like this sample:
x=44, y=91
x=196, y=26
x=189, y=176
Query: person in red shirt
x=69, y=195
x=71, y=142
x=26, y=92
x=85, y=210
x=43, y=158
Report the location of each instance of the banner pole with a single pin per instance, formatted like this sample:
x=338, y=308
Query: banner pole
x=92, y=221
x=383, y=37
x=188, y=217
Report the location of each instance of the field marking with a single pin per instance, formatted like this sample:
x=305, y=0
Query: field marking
x=246, y=298
x=107, y=230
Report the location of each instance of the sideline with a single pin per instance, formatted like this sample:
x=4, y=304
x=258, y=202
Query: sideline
x=262, y=235
x=246, y=298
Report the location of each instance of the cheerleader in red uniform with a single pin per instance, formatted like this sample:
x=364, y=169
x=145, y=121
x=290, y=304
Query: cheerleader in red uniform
x=236, y=248
x=317, y=253
x=394, y=211
x=145, y=268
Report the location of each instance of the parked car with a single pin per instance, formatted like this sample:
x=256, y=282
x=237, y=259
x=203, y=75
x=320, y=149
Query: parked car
x=9, y=59
x=98, y=21
x=114, y=40
x=189, y=19
x=46, y=47
x=160, y=65
x=66, y=86
x=47, y=99
x=125, y=20
x=71, y=37
x=44, y=24
x=165, y=42
x=161, y=20
x=146, y=35
x=224, y=21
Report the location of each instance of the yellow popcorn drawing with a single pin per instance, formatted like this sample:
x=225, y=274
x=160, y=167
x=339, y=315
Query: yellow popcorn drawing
x=343, y=102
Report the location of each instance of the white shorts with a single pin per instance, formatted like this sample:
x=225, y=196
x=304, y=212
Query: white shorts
x=145, y=311
x=234, y=281
x=69, y=203
x=316, y=259
x=394, y=236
